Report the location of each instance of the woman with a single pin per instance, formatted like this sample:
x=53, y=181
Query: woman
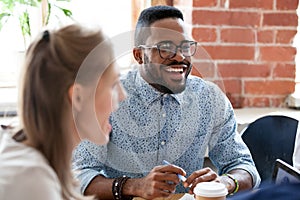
x=69, y=88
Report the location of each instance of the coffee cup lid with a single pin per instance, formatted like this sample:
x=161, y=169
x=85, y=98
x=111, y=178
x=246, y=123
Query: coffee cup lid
x=210, y=189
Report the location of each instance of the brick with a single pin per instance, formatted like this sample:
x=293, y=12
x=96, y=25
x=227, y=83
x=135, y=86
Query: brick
x=285, y=36
x=260, y=4
x=287, y=4
x=204, y=34
x=180, y=3
x=238, y=70
x=205, y=17
x=269, y=87
x=218, y=82
x=280, y=19
x=202, y=54
x=222, y=3
x=278, y=101
x=277, y=53
x=236, y=100
x=284, y=70
x=240, y=35
x=203, y=69
x=244, y=19
x=259, y=102
x=195, y=72
x=233, y=86
x=266, y=36
x=253, y=70
x=204, y=3
x=162, y=2
x=230, y=52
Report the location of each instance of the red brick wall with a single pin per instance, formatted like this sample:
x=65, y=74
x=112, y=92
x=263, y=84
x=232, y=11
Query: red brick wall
x=250, y=49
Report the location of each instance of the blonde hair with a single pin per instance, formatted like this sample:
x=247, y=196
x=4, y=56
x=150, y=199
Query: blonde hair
x=51, y=66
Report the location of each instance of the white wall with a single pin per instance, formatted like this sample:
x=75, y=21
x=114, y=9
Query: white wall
x=114, y=16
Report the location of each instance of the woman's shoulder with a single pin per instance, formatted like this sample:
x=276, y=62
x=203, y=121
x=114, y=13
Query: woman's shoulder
x=18, y=159
x=24, y=170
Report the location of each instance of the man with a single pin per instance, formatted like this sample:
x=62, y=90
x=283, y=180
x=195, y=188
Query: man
x=168, y=115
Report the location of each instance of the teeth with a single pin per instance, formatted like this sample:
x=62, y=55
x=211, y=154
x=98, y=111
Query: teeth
x=175, y=70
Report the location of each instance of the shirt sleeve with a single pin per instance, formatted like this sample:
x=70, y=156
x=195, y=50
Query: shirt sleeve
x=86, y=163
x=296, y=155
x=226, y=148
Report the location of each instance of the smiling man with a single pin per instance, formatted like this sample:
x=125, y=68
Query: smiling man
x=164, y=68
x=168, y=115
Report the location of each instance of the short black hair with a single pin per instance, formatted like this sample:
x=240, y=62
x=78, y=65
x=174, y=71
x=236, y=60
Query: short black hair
x=151, y=15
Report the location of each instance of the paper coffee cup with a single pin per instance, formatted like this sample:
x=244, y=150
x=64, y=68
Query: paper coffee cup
x=210, y=191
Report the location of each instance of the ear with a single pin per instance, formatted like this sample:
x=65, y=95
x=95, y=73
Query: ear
x=75, y=96
x=137, y=53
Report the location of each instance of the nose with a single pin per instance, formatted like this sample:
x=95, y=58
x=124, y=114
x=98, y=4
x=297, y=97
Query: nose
x=178, y=55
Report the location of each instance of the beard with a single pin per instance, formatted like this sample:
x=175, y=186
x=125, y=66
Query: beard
x=158, y=82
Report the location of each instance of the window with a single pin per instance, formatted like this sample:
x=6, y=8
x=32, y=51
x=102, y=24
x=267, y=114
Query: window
x=113, y=16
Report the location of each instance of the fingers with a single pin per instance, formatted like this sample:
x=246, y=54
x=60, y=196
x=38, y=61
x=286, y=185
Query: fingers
x=168, y=187
x=165, y=177
x=158, y=184
x=168, y=173
x=202, y=175
x=170, y=169
x=162, y=181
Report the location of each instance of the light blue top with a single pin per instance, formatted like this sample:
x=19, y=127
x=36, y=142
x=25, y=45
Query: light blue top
x=150, y=127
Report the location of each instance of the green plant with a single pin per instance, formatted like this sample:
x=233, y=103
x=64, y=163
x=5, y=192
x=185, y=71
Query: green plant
x=20, y=9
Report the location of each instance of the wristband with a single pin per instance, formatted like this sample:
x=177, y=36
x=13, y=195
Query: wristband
x=236, y=189
x=117, y=187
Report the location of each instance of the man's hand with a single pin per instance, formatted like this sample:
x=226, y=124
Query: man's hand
x=206, y=174
x=160, y=182
x=202, y=175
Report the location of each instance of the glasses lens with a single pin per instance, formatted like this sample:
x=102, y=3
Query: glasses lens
x=188, y=48
x=167, y=49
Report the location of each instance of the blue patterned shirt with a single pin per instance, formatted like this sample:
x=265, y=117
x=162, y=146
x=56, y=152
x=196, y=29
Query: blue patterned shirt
x=150, y=127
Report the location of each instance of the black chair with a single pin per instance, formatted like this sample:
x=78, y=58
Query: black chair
x=268, y=138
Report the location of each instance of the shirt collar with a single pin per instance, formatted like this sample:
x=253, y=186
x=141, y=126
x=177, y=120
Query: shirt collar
x=151, y=93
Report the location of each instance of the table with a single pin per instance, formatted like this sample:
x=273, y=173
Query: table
x=173, y=197
x=248, y=115
x=245, y=116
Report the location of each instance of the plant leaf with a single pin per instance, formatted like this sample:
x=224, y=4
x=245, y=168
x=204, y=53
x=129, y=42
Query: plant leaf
x=48, y=14
x=25, y=23
x=67, y=12
x=7, y=5
x=32, y=3
x=3, y=19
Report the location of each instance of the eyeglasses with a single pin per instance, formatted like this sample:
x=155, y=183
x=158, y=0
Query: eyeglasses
x=167, y=49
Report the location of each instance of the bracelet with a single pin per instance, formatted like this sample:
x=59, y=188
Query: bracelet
x=117, y=187
x=235, y=181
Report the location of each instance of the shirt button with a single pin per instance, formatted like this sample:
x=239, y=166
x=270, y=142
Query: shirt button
x=164, y=115
x=163, y=142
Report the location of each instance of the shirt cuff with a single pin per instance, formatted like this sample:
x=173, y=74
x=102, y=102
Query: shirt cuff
x=252, y=171
x=85, y=177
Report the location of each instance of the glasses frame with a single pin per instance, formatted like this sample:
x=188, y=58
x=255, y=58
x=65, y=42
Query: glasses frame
x=157, y=46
